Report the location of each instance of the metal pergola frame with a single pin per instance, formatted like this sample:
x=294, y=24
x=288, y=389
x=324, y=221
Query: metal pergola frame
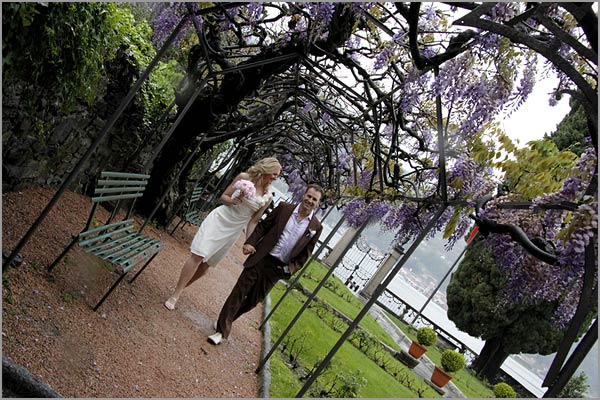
x=557, y=375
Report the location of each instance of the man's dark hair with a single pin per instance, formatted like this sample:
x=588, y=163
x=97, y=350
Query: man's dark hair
x=317, y=188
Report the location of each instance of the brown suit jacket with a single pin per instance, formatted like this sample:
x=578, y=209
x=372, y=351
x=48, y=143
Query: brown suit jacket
x=268, y=231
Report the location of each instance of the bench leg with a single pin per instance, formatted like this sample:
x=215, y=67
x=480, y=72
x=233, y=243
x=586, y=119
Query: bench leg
x=141, y=269
x=109, y=291
x=64, y=253
x=173, y=231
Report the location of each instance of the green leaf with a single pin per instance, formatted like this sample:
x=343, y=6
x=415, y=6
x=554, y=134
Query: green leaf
x=451, y=225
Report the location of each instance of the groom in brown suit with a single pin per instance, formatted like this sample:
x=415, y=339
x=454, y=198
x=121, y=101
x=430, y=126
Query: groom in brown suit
x=278, y=247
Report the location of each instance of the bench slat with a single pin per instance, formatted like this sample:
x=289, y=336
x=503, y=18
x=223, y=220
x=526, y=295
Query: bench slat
x=105, y=182
x=119, y=189
x=106, y=227
x=116, y=197
x=152, y=251
x=107, y=235
x=124, y=254
x=118, y=251
x=123, y=175
x=106, y=246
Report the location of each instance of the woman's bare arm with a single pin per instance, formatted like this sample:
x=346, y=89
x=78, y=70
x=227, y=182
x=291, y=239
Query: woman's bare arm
x=226, y=196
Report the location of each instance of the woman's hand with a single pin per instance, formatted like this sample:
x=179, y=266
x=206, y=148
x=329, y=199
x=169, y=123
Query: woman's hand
x=229, y=200
x=235, y=201
x=248, y=249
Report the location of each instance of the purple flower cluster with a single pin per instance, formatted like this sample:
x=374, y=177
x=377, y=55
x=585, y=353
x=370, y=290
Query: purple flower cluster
x=430, y=15
x=502, y=12
x=478, y=91
x=353, y=211
x=353, y=42
x=383, y=57
x=256, y=12
x=167, y=18
x=527, y=81
x=408, y=219
x=489, y=43
x=404, y=217
x=359, y=212
x=345, y=160
x=414, y=85
x=364, y=180
x=467, y=180
x=429, y=19
x=485, y=99
x=389, y=49
x=387, y=131
x=321, y=14
x=226, y=24
x=321, y=11
x=296, y=184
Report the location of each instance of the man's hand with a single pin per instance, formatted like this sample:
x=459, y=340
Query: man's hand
x=248, y=249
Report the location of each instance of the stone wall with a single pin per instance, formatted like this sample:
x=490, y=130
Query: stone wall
x=41, y=148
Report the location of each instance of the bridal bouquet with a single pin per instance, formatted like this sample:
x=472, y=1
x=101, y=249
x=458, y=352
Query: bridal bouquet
x=244, y=188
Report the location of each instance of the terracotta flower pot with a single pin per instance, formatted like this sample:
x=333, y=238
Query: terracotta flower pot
x=439, y=377
x=416, y=350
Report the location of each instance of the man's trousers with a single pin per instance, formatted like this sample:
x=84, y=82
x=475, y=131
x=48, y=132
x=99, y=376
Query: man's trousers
x=251, y=288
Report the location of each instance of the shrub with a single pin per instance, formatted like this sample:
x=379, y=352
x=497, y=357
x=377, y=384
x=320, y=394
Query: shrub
x=59, y=46
x=503, y=390
x=452, y=361
x=347, y=384
x=426, y=336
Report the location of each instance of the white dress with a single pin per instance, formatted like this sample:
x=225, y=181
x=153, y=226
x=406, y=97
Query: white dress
x=221, y=228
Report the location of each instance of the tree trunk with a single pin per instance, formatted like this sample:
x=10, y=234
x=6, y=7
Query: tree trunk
x=490, y=359
x=489, y=348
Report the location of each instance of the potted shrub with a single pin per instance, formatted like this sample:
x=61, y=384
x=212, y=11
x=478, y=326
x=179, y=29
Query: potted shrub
x=425, y=337
x=503, y=390
x=451, y=361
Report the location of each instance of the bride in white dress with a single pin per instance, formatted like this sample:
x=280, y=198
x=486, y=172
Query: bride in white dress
x=222, y=227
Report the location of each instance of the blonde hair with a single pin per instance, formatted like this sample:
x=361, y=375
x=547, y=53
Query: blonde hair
x=267, y=165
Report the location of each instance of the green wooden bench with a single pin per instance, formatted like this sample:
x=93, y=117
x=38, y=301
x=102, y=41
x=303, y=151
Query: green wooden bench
x=196, y=208
x=194, y=215
x=116, y=242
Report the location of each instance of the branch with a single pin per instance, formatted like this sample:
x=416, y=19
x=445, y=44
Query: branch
x=487, y=226
x=472, y=19
x=458, y=44
x=587, y=20
x=568, y=39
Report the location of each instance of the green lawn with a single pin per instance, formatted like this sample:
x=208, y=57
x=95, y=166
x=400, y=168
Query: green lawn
x=283, y=382
x=318, y=338
x=350, y=306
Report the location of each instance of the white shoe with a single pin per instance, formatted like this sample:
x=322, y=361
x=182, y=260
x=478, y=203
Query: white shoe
x=215, y=325
x=215, y=338
x=170, y=303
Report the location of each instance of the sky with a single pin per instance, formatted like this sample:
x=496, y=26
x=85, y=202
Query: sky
x=536, y=117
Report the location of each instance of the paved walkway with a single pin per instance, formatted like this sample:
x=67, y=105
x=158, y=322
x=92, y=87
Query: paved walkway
x=425, y=367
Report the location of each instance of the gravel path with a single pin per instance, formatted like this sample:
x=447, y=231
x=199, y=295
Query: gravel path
x=133, y=346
